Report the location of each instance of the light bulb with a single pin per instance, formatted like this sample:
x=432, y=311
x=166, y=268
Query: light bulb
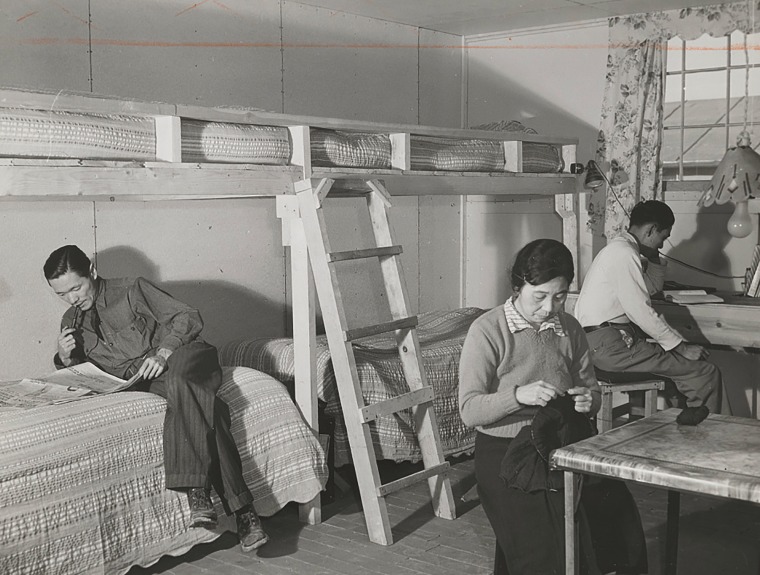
x=740, y=224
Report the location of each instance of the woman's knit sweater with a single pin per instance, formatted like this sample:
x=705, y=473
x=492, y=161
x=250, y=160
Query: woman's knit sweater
x=495, y=361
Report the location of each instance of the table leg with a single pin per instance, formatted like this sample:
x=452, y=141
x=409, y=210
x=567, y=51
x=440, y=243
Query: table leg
x=571, y=538
x=671, y=536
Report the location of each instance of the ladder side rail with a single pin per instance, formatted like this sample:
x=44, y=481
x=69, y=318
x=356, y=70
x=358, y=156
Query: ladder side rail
x=344, y=363
x=410, y=353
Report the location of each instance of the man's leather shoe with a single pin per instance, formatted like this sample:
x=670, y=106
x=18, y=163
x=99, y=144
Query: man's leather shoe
x=249, y=528
x=202, y=512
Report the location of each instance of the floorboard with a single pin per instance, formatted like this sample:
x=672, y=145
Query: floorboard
x=717, y=537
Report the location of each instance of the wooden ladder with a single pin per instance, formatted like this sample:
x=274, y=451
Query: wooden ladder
x=357, y=415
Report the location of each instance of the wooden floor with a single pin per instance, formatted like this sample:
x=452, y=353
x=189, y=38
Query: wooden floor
x=717, y=538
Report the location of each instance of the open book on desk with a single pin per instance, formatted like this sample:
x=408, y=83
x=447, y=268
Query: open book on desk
x=61, y=386
x=691, y=296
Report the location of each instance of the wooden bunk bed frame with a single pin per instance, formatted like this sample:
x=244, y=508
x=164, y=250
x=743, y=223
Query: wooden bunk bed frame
x=169, y=178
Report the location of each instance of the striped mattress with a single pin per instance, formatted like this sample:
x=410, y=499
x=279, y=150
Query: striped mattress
x=441, y=335
x=82, y=483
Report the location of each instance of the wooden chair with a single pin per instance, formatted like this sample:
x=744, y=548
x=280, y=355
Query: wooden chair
x=634, y=384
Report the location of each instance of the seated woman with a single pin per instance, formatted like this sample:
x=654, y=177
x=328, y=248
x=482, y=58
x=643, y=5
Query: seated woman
x=516, y=358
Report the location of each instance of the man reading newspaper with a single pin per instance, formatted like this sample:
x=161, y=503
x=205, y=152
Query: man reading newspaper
x=133, y=330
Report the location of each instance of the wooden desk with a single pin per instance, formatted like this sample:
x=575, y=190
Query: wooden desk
x=734, y=323
x=711, y=458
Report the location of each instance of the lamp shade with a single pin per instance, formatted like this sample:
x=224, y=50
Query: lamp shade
x=594, y=177
x=736, y=177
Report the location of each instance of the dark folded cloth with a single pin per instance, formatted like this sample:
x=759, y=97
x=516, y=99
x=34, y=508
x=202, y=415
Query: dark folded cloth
x=525, y=465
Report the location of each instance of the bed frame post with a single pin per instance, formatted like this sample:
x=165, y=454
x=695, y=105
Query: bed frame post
x=566, y=205
x=168, y=138
x=304, y=328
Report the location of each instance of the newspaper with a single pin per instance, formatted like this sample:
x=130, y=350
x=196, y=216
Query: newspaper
x=64, y=385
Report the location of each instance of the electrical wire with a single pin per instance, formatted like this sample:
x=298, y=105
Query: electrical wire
x=690, y=266
x=609, y=185
x=695, y=268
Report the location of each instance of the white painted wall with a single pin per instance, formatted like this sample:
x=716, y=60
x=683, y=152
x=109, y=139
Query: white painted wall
x=552, y=81
x=224, y=257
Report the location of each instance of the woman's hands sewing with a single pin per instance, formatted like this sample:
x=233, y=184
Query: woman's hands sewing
x=582, y=398
x=540, y=393
x=536, y=393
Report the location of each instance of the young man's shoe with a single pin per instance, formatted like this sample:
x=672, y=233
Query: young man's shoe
x=249, y=528
x=202, y=512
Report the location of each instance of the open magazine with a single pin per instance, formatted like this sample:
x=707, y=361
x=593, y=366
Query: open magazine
x=64, y=385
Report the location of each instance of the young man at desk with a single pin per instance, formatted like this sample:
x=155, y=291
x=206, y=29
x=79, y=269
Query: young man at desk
x=133, y=330
x=615, y=309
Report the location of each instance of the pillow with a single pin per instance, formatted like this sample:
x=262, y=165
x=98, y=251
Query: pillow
x=537, y=158
x=332, y=148
x=430, y=153
x=235, y=143
x=38, y=134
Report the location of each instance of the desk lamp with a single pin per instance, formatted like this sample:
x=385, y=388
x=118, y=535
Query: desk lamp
x=594, y=176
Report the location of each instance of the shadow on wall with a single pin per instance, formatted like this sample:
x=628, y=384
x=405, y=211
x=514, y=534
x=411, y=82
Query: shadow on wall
x=494, y=98
x=497, y=99
x=705, y=249
x=229, y=311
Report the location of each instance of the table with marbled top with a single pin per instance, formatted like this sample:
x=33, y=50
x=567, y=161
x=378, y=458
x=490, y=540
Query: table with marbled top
x=719, y=457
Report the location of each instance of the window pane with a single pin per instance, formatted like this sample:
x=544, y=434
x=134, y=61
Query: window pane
x=753, y=42
x=737, y=49
x=673, y=89
x=704, y=146
x=706, y=85
x=738, y=85
x=707, y=52
x=754, y=82
x=671, y=146
x=713, y=112
x=675, y=50
x=671, y=113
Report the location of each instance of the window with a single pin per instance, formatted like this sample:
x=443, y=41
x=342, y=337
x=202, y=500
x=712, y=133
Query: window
x=704, y=103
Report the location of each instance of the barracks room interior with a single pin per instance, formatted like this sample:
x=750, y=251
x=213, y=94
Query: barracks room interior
x=339, y=196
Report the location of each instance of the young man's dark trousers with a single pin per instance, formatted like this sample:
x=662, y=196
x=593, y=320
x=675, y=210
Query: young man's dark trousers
x=199, y=449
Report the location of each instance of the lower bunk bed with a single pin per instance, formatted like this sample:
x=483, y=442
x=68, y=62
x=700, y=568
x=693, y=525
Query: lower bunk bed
x=441, y=335
x=82, y=483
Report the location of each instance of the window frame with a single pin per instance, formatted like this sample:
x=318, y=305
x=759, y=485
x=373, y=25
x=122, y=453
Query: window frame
x=685, y=182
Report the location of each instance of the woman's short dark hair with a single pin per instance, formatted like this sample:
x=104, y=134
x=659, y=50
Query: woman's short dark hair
x=66, y=259
x=541, y=261
x=652, y=212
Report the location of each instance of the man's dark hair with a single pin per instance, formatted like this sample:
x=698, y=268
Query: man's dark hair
x=66, y=259
x=652, y=212
x=541, y=261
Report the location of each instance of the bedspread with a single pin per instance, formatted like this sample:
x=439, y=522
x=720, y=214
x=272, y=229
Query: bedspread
x=441, y=335
x=82, y=483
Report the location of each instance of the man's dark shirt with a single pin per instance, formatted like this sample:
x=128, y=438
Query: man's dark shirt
x=130, y=321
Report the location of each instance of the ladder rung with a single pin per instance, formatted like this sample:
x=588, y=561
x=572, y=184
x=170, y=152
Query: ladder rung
x=359, y=332
x=363, y=254
x=404, y=482
x=398, y=403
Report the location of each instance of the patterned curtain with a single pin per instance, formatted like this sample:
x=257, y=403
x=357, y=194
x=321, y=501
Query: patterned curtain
x=630, y=134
